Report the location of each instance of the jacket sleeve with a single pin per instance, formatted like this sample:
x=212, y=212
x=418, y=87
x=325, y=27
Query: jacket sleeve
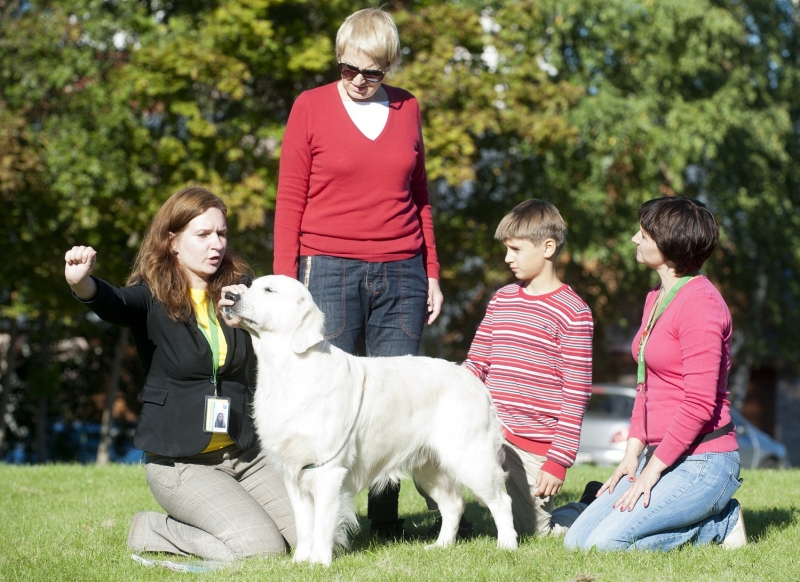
x=126, y=306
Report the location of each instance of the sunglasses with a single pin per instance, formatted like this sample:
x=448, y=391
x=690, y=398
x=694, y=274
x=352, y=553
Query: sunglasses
x=351, y=72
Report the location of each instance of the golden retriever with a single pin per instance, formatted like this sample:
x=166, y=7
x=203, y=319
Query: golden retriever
x=338, y=423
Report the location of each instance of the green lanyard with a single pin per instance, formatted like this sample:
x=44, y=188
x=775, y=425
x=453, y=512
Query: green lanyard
x=646, y=333
x=213, y=339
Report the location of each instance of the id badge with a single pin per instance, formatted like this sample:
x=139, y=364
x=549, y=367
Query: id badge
x=217, y=414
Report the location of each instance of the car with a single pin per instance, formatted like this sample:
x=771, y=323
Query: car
x=604, y=434
x=757, y=450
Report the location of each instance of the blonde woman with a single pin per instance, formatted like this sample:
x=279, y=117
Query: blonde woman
x=353, y=218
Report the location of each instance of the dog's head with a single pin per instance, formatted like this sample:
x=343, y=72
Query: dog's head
x=281, y=306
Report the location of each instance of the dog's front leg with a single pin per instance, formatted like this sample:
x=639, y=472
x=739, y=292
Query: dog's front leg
x=327, y=491
x=303, y=508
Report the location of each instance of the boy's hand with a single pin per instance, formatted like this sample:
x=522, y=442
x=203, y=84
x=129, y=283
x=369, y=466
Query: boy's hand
x=547, y=485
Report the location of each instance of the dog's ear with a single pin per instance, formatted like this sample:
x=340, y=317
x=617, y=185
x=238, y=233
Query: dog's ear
x=309, y=331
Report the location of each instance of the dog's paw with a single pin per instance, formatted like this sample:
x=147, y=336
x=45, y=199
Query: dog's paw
x=507, y=542
x=439, y=544
x=302, y=553
x=323, y=558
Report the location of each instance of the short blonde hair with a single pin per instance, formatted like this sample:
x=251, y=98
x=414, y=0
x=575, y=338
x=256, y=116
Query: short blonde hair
x=373, y=32
x=533, y=220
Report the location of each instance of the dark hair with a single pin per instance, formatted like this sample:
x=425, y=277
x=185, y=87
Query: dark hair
x=533, y=220
x=158, y=268
x=684, y=230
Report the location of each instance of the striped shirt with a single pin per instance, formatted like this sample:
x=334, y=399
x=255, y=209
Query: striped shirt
x=534, y=353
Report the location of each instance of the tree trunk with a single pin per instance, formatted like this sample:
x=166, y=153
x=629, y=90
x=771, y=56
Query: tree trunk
x=104, y=448
x=8, y=381
x=740, y=379
x=41, y=430
x=737, y=385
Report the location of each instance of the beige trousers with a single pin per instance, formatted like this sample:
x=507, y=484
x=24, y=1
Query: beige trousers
x=533, y=514
x=223, y=505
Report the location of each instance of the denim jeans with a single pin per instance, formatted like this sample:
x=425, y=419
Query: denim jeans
x=691, y=503
x=383, y=304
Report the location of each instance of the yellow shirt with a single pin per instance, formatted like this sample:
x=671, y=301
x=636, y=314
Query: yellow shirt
x=219, y=440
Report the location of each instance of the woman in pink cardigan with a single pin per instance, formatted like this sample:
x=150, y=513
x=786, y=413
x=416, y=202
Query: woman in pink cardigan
x=675, y=484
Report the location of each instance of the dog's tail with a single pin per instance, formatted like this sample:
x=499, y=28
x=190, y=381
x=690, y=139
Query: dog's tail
x=348, y=523
x=497, y=431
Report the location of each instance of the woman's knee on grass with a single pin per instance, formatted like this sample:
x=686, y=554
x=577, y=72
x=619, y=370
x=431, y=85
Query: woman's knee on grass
x=261, y=538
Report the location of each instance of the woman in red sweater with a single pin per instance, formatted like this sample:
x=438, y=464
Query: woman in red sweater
x=353, y=217
x=681, y=490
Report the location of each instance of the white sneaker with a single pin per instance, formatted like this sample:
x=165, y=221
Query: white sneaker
x=737, y=537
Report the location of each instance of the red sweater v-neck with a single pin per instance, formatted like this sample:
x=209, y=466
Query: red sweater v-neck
x=342, y=194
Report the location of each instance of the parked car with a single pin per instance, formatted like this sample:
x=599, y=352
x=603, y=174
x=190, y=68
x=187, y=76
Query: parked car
x=757, y=450
x=607, y=421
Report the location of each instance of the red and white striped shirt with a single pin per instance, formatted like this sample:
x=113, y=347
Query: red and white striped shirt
x=534, y=353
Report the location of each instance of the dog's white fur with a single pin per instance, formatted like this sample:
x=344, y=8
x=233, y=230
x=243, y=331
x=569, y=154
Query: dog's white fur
x=364, y=421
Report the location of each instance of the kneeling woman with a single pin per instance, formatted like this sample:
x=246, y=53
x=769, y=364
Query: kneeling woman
x=223, y=499
x=681, y=490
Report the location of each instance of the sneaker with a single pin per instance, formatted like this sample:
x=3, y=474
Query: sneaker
x=590, y=492
x=389, y=531
x=737, y=537
x=465, y=529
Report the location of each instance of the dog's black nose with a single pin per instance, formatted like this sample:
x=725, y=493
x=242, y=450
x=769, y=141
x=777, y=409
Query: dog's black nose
x=232, y=296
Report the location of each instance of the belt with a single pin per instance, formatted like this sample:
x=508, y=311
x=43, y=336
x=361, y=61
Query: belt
x=714, y=434
x=701, y=438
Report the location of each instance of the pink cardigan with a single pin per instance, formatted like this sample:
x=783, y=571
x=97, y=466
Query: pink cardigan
x=688, y=357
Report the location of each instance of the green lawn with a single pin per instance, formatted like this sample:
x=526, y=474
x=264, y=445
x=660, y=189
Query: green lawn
x=70, y=522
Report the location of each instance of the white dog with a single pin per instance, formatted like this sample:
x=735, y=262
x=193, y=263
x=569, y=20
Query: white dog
x=338, y=423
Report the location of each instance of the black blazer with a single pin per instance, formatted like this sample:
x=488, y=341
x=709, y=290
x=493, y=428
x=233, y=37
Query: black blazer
x=177, y=364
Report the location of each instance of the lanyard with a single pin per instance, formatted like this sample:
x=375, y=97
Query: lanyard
x=213, y=339
x=654, y=317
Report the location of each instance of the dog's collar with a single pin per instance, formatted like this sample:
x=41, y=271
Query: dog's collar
x=346, y=440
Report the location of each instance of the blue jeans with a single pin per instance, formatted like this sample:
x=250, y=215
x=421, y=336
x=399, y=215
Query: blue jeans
x=383, y=304
x=691, y=503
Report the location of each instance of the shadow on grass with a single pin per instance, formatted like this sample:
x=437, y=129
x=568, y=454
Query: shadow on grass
x=759, y=522
x=416, y=524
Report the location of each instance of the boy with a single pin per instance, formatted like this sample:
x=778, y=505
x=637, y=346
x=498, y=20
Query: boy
x=533, y=351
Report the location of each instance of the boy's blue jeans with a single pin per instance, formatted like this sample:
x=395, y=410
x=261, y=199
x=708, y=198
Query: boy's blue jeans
x=385, y=304
x=691, y=503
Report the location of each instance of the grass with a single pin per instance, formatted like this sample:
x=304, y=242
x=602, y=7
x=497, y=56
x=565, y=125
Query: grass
x=70, y=522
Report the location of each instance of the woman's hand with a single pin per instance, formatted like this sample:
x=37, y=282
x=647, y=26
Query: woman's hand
x=435, y=300
x=77, y=270
x=233, y=320
x=628, y=466
x=642, y=485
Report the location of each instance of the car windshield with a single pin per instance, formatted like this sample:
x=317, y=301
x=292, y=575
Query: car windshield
x=614, y=405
